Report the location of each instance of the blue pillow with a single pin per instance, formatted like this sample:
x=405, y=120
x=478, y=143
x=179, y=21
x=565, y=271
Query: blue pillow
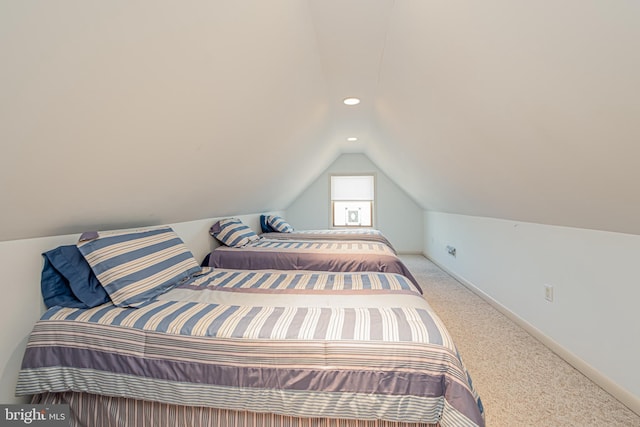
x=278, y=224
x=68, y=281
x=233, y=232
x=264, y=226
x=135, y=266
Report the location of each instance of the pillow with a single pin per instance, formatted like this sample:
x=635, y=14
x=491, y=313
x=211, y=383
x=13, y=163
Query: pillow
x=278, y=224
x=232, y=232
x=266, y=228
x=135, y=266
x=68, y=281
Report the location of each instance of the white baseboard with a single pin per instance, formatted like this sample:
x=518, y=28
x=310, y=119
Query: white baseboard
x=625, y=397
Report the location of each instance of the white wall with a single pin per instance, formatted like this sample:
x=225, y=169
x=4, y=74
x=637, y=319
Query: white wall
x=21, y=303
x=396, y=214
x=593, y=322
x=161, y=98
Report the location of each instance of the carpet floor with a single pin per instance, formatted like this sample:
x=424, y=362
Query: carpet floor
x=521, y=382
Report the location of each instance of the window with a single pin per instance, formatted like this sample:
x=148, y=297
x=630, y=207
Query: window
x=352, y=200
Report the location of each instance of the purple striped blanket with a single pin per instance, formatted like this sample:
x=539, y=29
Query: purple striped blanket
x=367, y=235
x=307, y=344
x=315, y=255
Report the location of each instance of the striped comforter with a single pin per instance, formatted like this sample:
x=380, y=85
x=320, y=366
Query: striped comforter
x=364, y=234
x=314, y=255
x=346, y=345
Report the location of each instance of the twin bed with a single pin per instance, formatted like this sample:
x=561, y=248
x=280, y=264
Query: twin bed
x=314, y=255
x=275, y=227
x=334, y=250
x=180, y=344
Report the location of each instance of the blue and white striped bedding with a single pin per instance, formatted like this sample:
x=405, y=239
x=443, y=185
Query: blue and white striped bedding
x=278, y=224
x=364, y=234
x=134, y=266
x=314, y=255
x=306, y=344
x=233, y=232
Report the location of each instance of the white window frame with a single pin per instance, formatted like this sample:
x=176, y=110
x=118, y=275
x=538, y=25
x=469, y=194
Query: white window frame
x=340, y=199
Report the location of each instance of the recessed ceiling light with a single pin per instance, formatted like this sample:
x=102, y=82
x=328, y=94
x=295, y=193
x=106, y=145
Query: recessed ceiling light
x=351, y=101
x=352, y=139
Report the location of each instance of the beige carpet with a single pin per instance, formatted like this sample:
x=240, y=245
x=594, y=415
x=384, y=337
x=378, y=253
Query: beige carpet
x=521, y=382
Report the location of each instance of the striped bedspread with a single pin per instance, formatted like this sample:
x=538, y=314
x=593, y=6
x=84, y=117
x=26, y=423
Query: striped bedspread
x=364, y=234
x=307, y=344
x=314, y=255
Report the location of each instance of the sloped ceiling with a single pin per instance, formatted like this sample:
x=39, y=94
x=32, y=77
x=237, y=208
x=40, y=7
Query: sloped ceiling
x=526, y=110
x=126, y=113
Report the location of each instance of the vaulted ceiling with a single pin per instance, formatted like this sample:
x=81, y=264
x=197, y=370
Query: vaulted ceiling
x=127, y=113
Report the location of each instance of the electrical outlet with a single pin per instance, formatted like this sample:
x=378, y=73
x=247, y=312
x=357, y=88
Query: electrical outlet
x=548, y=293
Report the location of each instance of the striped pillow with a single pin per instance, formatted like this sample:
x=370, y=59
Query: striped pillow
x=279, y=224
x=232, y=232
x=135, y=266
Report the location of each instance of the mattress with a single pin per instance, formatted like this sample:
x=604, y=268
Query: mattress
x=360, y=234
x=313, y=255
x=356, y=346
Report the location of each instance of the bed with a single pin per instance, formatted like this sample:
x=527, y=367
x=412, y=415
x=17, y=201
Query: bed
x=365, y=235
x=303, y=345
x=273, y=228
x=177, y=344
x=243, y=249
x=313, y=255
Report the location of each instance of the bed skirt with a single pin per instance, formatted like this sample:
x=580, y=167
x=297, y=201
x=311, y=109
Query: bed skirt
x=90, y=410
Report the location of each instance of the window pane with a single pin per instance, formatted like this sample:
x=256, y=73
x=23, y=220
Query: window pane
x=352, y=187
x=352, y=214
